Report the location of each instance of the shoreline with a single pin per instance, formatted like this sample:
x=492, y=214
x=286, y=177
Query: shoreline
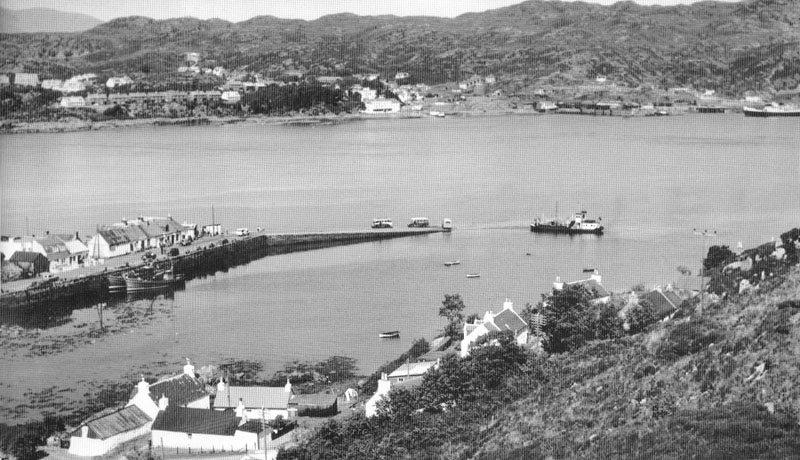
x=43, y=127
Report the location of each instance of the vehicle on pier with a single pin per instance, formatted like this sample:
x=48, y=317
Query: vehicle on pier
x=419, y=222
x=447, y=225
x=382, y=223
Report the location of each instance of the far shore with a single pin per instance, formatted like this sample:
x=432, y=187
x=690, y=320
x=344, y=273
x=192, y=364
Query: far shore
x=72, y=125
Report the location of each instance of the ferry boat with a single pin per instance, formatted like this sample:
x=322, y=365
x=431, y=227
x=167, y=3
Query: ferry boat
x=578, y=224
x=773, y=110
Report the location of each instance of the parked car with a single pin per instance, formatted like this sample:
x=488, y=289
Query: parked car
x=149, y=256
x=174, y=252
x=241, y=232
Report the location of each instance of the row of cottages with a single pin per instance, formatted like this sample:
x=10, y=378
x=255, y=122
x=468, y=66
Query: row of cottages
x=177, y=413
x=138, y=235
x=60, y=252
x=106, y=431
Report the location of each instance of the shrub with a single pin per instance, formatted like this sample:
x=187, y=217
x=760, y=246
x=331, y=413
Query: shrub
x=687, y=338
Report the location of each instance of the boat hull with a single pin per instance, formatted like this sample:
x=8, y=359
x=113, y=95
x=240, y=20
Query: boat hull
x=763, y=113
x=116, y=283
x=545, y=228
x=389, y=335
x=138, y=285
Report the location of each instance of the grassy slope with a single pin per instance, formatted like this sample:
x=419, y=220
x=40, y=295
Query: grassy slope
x=690, y=388
x=716, y=384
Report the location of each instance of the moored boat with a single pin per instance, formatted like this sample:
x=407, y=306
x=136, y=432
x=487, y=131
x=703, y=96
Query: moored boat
x=452, y=262
x=474, y=275
x=163, y=280
x=578, y=224
x=389, y=335
x=773, y=110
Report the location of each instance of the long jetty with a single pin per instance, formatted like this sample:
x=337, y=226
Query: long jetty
x=49, y=298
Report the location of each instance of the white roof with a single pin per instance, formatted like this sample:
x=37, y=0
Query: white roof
x=415, y=369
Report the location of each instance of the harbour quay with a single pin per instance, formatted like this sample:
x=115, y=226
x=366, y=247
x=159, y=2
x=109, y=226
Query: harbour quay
x=201, y=260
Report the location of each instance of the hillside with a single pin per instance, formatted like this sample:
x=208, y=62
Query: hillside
x=729, y=47
x=711, y=383
x=44, y=20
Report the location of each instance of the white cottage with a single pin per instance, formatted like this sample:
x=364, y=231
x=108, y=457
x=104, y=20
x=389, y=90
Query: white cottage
x=204, y=429
x=506, y=320
x=255, y=403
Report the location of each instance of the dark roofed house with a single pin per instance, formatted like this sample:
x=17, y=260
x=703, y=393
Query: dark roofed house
x=204, y=429
x=108, y=430
x=665, y=303
x=594, y=284
x=32, y=262
x=315, y=405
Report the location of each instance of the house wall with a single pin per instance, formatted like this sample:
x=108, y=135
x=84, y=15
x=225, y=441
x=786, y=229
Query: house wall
x=249, y=440
x=271, y=414
x=197, y=441
x=471, y=338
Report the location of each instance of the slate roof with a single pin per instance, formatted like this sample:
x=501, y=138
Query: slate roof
x=180, y=390
x=117, y=422
x=509, y=320
x=593, y=286
x=201, y=421
x=155, y=227
x=116, y=236
x=253, y=397
x=665, y=303
x=25, y=256
x=323, y=400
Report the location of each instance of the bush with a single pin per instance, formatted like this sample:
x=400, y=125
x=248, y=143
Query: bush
x=687, y=338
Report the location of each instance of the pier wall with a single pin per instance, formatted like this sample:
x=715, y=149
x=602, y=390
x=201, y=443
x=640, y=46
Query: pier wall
x=65, y=295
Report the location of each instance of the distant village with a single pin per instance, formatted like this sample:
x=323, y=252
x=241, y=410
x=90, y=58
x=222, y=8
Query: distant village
x=216, y=90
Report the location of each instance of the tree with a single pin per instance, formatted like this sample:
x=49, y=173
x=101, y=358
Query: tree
x=453, y=310
x=718, y=255
x=640, y=316
x=567, y=318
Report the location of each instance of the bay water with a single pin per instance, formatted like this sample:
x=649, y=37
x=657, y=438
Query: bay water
x=651, y=180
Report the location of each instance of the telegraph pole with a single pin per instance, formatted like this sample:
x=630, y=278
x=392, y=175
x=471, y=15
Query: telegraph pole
x=705, y=234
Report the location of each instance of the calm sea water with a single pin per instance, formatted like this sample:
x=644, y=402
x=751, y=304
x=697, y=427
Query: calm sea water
x=650, y=179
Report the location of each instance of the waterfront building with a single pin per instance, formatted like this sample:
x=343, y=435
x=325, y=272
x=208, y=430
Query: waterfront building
x=255, y=403
x=4, y=80
x=32, y=262
x=136, y=235
x=506, y=320
x=381, y=106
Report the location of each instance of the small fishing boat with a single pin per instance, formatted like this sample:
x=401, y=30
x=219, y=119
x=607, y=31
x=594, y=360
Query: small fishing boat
x=162, y=280
x=474, y=275
x=389, y=335
x=452, y=262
